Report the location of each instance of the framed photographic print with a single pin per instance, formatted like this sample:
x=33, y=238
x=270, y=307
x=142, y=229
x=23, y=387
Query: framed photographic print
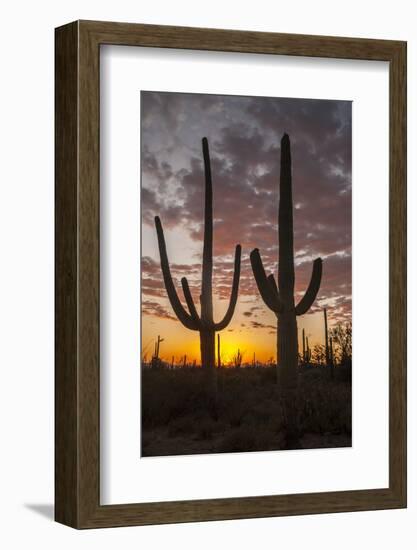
x=230, y=274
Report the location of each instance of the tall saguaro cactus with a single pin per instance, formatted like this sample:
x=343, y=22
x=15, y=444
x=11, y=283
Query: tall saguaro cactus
x=203, y=323
x=304, y=346
x=326, y=337
x=280, y=298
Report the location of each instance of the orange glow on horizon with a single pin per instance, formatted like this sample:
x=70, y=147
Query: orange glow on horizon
x=179, y=341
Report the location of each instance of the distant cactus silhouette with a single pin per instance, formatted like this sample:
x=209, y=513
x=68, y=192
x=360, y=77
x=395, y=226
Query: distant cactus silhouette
x=280, y=298
x=326, y=337
x=155, y=359
x=204, y=322
x=237, y=359
x=331, y=352
x=308, y=351
x=304, y=347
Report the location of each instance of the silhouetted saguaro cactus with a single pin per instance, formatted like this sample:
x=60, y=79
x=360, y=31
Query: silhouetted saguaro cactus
x=237, y=359
x=331, y=358
x=308, y=356
x=331, y=352
x=326, y=337
x=155, y=358
x=304, y=346
x=204, y=322
x=280, y=298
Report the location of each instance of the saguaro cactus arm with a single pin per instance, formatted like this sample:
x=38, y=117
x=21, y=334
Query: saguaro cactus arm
x=267, y=291
x=307, y=300
x=273, y=283
x=189, y=299
x=178, y=308
x=233, y=296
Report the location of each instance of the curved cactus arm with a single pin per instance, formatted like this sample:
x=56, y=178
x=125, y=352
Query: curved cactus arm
x=272, y=282
x=269, y=294
x=308, y=299
x=233, y=296
x=189, y=299
x=178, y=308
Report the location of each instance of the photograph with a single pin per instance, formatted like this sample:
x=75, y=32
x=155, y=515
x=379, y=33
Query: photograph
x=246, y=286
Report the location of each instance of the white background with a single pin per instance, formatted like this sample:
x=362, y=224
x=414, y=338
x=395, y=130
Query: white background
x=26, y=300
x=126, y=478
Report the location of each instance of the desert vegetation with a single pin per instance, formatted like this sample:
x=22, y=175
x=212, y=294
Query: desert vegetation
x=251, y=410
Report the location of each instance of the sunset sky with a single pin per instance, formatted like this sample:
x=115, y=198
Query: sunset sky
x=244, y=136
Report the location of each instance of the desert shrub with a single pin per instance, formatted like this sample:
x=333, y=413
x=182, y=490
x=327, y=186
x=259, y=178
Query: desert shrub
x=167, y=395
x=323, y=407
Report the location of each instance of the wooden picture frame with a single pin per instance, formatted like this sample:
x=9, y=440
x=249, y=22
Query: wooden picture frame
x=77, y=374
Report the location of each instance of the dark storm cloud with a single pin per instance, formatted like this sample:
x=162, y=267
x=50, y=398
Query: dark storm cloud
x=244, y=137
